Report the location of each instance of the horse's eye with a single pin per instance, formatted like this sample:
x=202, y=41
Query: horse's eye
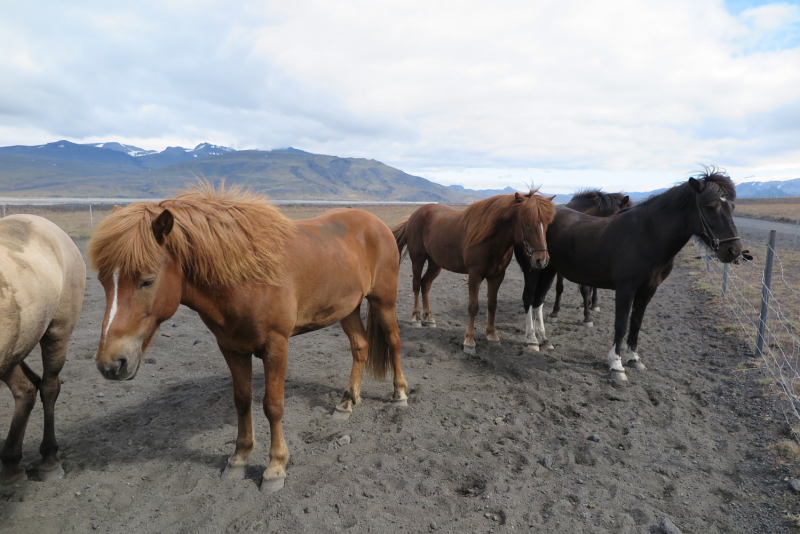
x=147, y=283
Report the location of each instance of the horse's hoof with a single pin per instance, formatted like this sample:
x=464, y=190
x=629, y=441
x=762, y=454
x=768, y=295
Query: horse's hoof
x=619, y=376
x=532, y=346
x=596, y=309
x=429, y=324
x=272, y=485
x=588, y=324
x=639, y=366
x=552, y=319
x=402, y=403
x=416, y=324
x=494, y=343
x=341, y=415
x=469, y=349
x=10, y=485
x=548, y=346
x=53, y=473
x=233, y=472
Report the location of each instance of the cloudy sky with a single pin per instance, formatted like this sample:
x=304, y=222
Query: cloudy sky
x=623, y=94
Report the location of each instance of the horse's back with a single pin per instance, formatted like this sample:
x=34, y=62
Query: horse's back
x=42, y=279
x=437, y=231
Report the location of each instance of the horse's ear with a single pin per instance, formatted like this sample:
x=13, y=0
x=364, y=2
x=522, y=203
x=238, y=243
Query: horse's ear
x=518, y=197
x=626, y=201
x=697, y=185
x=162, y=226
x=115, y=209
x=551, y=198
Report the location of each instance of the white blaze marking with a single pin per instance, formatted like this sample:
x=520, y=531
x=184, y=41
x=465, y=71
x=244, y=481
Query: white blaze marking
x=541, y=227
x=113, y=311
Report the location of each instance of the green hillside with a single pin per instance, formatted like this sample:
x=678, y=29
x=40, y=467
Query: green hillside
x=280, y=174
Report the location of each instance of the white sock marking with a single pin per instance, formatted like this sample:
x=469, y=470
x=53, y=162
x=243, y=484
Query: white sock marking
x=530, y=333
x=614, y=359
x=113, y=311
x=540, y=322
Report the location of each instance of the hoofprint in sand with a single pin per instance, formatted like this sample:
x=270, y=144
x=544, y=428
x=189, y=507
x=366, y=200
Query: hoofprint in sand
x=489, y=442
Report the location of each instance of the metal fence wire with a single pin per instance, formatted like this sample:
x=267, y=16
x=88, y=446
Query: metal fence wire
x=763, y=298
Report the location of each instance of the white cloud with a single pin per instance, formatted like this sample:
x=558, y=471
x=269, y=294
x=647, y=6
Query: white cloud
x=585, y=90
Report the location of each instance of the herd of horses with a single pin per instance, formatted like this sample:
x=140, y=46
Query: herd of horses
x=256, y=278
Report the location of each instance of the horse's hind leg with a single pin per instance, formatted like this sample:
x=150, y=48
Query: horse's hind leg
x=431, y=273
x=54, y=354
x=557, y=303
x=595, y=304
x=624, y=299
x=416, y=269
x=386, y=316
x=474, y=289
x=586, y=293
x=354, y=329
x=23, y=384
x=241, y=366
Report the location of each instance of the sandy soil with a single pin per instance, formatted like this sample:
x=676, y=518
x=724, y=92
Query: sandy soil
x=496, y=442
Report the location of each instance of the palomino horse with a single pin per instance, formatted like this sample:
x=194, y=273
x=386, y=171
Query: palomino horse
x=633, y=251
x=42, y=278
x=591, y=202
x=477, y=241
x=255, y=278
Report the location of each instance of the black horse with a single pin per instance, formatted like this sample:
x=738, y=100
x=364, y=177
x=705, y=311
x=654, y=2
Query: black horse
x=633, y=251
x=598, y=204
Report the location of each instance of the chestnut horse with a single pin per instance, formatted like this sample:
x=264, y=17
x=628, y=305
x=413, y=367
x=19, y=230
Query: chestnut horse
x=633, y=251
x=597, y=204
x=42, y=278
x=256, y=279
x=477, y=241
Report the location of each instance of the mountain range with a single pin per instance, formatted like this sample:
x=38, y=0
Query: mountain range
x=65, y=169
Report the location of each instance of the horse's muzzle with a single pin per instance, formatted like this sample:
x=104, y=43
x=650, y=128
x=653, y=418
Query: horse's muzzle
x=118, y=369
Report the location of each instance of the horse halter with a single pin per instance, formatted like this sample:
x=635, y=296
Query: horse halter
x=708, y=233
x=529, y=250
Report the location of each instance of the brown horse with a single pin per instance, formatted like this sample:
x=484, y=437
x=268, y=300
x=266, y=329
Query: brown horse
x=477, y=241
x=255, y=278
x=42, y=277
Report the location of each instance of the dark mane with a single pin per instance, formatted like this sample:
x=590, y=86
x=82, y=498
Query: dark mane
x=717, y=183
x=607, y=203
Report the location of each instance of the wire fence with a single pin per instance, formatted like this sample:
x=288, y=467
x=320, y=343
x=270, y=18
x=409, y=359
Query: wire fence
x=763, y=298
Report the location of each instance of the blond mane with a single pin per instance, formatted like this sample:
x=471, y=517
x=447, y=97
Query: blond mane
x=220, y=237
x=483, y=218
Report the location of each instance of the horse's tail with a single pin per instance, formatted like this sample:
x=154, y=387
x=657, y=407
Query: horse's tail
x=399, y=232
x=378, y=360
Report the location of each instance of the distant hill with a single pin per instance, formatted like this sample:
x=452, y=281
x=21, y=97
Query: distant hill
x=65, y=169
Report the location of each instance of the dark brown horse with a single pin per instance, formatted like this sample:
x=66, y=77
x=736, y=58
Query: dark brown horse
x=477, y=241
x=597, y=204
x=255, y=278
x=633, y=251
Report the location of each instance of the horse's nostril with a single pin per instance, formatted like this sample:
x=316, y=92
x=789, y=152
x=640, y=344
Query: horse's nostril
x=123, y=363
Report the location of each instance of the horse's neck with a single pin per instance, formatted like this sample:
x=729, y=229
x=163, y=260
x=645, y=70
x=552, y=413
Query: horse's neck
x=205, y=301
x=673, y=230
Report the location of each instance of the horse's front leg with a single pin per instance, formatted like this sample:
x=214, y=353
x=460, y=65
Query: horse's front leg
x=624, y=298
x=241, y=366
x=474, y=288
x=54, y=354
x=538, y=328
x=586, y=293
x=416, y=273
x=531, y=279
x=493, y=285
x=275, y=359
x=354, y=329
x=23, y=385
x=640, y=302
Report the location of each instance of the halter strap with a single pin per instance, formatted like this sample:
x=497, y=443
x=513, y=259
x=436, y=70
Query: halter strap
x=713, y=242
x=529, y=250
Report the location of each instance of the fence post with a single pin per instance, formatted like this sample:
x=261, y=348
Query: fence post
x=794, y=247
x=91, y=219
x=706, y=259
x=724, y=278
x=4, y=216
x=762, y=318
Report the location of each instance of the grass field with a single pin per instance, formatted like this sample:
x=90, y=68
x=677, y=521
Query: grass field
x=773, y=209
